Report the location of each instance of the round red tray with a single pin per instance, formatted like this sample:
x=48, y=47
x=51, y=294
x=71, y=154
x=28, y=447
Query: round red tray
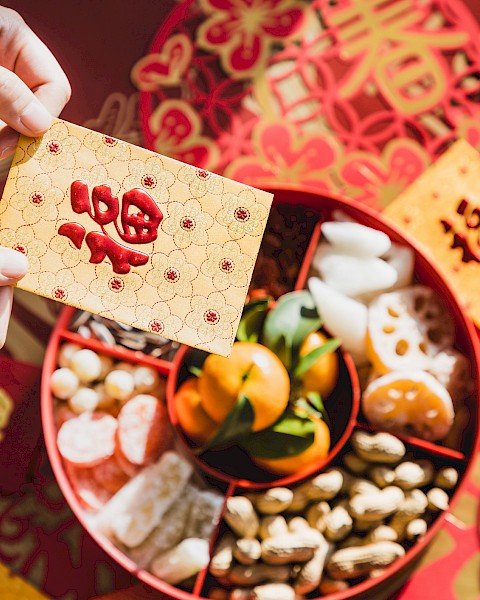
x=312, y=207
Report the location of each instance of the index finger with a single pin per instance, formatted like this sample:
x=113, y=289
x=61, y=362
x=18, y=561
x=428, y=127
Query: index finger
x=41, y=72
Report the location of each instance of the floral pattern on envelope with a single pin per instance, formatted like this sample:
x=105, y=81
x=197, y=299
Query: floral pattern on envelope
x=121, y=231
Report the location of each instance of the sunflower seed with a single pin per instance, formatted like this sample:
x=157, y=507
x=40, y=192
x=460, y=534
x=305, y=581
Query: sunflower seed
x=102, y=333
x=113, y=333
x=84, y=331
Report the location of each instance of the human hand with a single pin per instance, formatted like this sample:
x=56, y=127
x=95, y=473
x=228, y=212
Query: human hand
x=33, y=87
x=13, y=266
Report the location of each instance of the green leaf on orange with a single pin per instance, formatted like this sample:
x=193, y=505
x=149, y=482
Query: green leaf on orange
x=288, y=324
x=292, y=434
x=304, y=407
x=194, y=370
x=251, y=323
x=237, y=424
x=307, y=361
x=315, y=400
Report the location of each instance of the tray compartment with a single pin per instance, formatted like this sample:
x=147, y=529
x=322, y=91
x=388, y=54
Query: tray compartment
x=412, y=548
x=119, y=353
x=234, y=464
x=286, y=238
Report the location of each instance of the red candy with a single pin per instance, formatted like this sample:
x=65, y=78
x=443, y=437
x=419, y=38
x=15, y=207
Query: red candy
x=110, y=475
x=63, y=414
x=88, y=439
x=88, y=491
x=143, y=430
x=129, y=468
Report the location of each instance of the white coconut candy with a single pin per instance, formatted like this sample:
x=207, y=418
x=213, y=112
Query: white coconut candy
x=402, y=259
x=84, y=400
x=86, y=364
x=146, y=379
x=64, y=383
x=169, y=531
x=186, y=559
x=205, y=514
x=356, y=239
x=353, y=275
x=343, y=317
x=119, y=384
x=137, y=508
x=66, y=352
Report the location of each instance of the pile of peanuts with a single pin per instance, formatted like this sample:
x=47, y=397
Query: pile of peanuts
x=346, y=524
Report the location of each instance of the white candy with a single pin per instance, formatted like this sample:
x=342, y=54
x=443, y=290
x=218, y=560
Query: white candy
x=352, y=275
x=119, y=384
x=183, y=561
x=402, y=259
x=66, y=352
x=343, y=317
x=204, y=515
x=356, y=239
x=64, y=383
x=84, y=400
x=86, y=364
x=107, y=364
x=168, y=532
x=146, y=379
x=137, y=508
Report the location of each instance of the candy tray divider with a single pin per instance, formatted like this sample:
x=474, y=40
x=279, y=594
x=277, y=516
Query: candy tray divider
x=423, y=445
x=202, y=576
x=302, y=276
x=118, y=352
x=300, y=284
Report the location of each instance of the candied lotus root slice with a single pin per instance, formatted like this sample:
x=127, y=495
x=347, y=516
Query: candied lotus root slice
x=406, y=328
x=409, y=403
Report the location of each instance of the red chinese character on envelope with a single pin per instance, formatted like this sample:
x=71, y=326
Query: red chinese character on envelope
x=465, y=234
x=139, y=221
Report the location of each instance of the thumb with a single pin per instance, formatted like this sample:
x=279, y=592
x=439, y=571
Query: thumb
x=19, y=106
x=6, y=301
x=13, y=266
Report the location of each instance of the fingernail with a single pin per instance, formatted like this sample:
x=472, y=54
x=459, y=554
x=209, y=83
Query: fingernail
x=6, y=152
x=36, y=118
x=13, y=263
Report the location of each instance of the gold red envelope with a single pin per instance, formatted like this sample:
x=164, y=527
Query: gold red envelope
x=134, y=236
x=441, y=210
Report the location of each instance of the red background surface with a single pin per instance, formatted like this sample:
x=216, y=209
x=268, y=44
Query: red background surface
x=97, y=42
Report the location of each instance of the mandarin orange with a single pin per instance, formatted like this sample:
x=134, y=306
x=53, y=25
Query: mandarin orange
x=322, y=376
x=315, y=453
x=193, y=419
x=251, y=369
